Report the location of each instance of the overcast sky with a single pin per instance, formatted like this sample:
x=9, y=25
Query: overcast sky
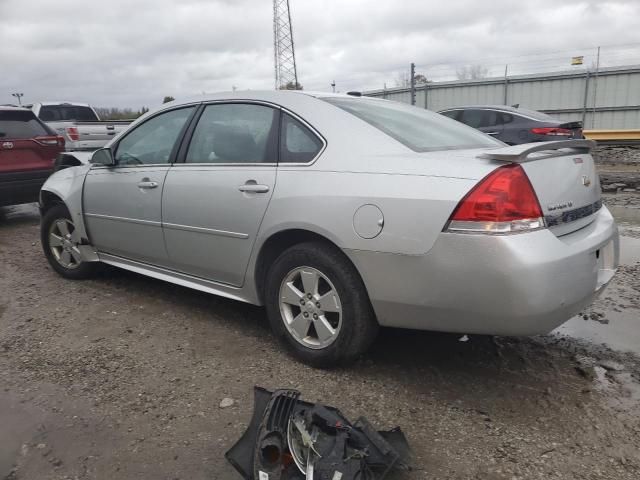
x=129, y=53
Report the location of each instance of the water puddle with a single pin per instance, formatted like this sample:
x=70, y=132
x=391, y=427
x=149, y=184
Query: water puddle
x=614, y=319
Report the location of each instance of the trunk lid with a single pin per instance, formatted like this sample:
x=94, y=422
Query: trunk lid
x=564, y=178
x=575, y=127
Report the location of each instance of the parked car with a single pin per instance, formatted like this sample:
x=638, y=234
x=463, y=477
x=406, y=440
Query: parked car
x=514, y=125
x=78, y=123
x=340, y=214
x=28, y=149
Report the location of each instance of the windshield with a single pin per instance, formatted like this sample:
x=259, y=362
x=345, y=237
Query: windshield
x=57, y=113
x=416, y=128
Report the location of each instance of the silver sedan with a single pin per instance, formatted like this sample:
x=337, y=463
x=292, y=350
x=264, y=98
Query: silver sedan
x=340, y=214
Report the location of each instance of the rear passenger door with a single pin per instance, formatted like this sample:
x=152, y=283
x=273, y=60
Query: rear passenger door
x=215, y=198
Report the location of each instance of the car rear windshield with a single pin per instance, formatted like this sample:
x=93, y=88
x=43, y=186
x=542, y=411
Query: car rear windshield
x=416, y=128
x=61, y=113
x=20, y=124
x=536, y=115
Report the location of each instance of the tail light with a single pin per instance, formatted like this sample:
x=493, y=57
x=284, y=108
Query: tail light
x=50, y=141
x=552, y=131
x=73, y=134
x=503, y=202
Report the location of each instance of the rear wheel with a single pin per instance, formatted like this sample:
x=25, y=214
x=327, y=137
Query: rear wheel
x=61, y=242
x=318, y=306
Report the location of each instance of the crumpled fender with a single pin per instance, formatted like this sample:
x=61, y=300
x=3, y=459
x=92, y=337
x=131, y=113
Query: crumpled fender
x=67, y=185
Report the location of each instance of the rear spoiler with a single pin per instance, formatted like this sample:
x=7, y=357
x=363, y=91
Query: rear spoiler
x=520, y=153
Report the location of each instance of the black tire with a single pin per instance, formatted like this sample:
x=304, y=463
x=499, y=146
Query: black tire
x=358, y=326
x=79, y=272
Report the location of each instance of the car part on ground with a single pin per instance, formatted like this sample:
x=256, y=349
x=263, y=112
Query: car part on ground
x=401, y=217
x=291, y=439
x=514, y=125
x=28, y=149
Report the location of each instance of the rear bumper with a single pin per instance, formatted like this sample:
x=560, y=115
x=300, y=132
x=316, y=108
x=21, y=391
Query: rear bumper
x=21, y=187
x=522, y=284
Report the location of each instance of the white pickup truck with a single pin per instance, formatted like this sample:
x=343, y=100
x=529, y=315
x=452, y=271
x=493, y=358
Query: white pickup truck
x=78, y=123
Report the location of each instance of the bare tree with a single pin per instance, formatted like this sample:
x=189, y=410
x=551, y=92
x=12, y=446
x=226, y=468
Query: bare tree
x=402, y=79
x=472, y=72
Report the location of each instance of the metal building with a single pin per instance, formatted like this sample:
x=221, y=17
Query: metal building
x=608, y=99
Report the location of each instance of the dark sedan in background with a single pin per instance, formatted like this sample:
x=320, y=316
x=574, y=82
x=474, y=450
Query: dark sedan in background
x=514, y=125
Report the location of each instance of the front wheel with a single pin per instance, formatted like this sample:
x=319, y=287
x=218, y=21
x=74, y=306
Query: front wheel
x=318, y=306
x=61, y=242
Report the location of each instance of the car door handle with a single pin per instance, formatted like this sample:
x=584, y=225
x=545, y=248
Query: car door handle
x=147, y=184
x=253, y=188
x=492, y=133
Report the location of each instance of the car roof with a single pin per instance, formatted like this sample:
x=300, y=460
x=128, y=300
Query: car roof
x=13, y=108
x=503, y=108
x=259, y=95
x=525, y=112
x=68, y=104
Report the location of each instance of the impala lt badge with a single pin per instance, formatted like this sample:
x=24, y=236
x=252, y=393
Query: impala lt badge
x=560, y=206
x=586, y=181
x=7, y=145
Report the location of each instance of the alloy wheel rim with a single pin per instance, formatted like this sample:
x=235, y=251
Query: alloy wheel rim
x=310, y=307
x=63, y=245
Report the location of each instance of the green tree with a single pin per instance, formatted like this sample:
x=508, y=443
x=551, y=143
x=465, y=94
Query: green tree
x=168, y=99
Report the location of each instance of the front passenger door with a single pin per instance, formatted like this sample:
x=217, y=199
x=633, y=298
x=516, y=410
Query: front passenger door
x=122, y=203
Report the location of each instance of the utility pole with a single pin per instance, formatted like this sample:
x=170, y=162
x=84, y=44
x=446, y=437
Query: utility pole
x=19, y=97
x=595, y=88
x=283, y=47
x=413, y=83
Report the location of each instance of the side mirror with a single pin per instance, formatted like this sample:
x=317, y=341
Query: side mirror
x=104, y=156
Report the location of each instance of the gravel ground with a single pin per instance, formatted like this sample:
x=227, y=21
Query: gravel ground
x=123, y=376
x=619, y=169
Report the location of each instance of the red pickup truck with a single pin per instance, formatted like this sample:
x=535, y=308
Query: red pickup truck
x=28, y=149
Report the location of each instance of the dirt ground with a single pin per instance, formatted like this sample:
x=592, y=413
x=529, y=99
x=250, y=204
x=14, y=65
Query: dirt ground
x=121, y=377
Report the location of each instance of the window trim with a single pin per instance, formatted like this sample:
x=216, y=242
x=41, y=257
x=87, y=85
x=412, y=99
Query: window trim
x=311, y=129
x=174, y=151
x=180, y=159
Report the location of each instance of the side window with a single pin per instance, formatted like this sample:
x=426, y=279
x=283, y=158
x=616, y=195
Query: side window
x=454, y=114
x=506, y=118
x=153, y=141
x=235, y=133
x=298, y=144
x=473, y=118
x=492, y=118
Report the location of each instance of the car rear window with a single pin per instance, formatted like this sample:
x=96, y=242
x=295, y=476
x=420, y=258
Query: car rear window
x=536, y=115
x=60, y=113
x=20, y=124
x=416, y=128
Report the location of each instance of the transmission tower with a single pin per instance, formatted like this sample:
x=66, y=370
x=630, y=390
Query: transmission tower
x=284, y=53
